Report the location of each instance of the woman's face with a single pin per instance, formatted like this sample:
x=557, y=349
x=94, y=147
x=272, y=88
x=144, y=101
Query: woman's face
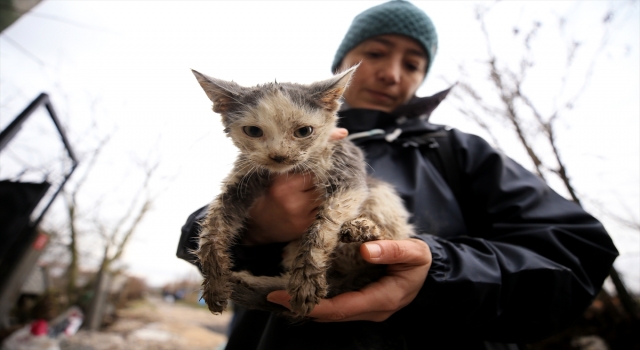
x=392, y=69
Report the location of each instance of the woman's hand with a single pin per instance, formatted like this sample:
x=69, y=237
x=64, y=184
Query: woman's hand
x=287, y=209
x=409, y=261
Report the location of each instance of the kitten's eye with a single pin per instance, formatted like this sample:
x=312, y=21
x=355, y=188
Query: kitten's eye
x=252, y=131
x=303, y=132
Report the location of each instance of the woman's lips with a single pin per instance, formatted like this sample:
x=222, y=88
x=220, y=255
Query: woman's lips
x=381, y=96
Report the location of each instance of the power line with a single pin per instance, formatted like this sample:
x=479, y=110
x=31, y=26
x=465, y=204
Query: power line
x=53, y=18
x=23, y=50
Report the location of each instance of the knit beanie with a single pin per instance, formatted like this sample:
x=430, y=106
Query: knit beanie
x=393, y=17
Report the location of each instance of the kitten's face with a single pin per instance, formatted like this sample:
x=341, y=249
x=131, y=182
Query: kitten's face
x=279, y=135
x=279, y=127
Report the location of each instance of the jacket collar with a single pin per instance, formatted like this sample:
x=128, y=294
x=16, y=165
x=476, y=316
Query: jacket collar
x=410, y=117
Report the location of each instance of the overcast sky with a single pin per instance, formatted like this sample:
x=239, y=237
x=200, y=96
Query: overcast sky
x=123, y=69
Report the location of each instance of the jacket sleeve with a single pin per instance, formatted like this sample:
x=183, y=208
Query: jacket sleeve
x=531, y=263
x=189, y=236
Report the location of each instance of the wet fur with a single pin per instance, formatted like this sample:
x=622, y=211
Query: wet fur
x=355, y=209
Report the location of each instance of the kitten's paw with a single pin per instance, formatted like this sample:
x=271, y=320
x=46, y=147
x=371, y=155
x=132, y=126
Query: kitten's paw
x=215, y=293
x=306, y=290
x=359, y=230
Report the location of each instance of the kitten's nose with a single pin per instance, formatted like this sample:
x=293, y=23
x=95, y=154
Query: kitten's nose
x=278, y=158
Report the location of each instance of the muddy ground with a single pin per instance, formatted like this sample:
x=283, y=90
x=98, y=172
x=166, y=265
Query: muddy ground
x=156, y=324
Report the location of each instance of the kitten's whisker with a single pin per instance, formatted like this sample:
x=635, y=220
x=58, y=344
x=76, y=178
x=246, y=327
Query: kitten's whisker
x=367, y=165
x=319, y=177
x=243, y=164
x=312, y=172
x=348, y=167
x=322, y=176
x=246, y=178
x=240, y=169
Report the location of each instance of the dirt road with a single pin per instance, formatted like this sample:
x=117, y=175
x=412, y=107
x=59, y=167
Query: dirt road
x=156, y=324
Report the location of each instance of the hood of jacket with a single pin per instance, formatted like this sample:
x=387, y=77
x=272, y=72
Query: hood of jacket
x=410, y=118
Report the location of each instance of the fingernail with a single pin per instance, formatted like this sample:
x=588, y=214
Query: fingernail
x=374, y=250
x=275, y=298
x=271, y=298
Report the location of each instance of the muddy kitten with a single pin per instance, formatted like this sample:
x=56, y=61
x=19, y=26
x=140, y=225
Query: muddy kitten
x=280, y=128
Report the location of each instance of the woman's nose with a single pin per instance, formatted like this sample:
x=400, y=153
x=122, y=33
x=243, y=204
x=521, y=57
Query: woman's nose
x=389, y=73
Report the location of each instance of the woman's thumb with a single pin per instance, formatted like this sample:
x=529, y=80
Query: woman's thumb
x=406, y=251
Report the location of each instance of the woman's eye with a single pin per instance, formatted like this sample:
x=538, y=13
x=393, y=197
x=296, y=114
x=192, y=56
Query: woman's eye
x=303, y=132
x=411, y=67
x=374, y=54
x=252, y=131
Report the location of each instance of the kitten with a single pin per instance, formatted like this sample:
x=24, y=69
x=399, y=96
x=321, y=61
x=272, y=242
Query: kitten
x=281, y=128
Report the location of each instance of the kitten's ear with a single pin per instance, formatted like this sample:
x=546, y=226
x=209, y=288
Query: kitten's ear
x=328, y=92
x=224, y=94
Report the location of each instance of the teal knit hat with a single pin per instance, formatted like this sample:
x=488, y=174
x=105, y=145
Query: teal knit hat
x=393, y=17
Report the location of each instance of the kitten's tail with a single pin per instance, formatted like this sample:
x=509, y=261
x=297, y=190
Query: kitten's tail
x=251, y=291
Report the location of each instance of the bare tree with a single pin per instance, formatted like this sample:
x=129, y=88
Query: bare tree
x=73, y=210
x=115, y=239
x=508, y=102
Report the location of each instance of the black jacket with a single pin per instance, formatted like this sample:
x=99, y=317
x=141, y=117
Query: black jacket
x=513, y=261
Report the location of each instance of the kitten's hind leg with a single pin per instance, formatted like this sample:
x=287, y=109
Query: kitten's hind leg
x=213, y=255
x=308, y=283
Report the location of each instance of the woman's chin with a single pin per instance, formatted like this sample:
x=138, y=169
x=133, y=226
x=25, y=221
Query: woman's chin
x=372, y=106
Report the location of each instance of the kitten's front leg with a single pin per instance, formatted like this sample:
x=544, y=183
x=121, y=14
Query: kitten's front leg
x=221, y=228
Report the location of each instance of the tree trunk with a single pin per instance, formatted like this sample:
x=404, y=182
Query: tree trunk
x=628, y=303
x=100, y=294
